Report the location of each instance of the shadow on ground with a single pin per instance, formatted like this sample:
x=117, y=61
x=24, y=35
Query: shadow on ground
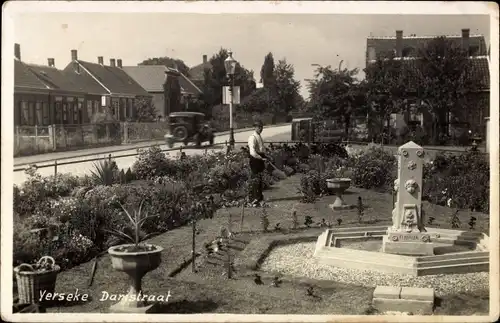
x=186, y=307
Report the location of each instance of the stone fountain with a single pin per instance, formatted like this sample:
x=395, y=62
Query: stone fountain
x=406, y=247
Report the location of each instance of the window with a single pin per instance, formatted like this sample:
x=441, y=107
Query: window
x=78, y=115
x=71, y=110
x=31, y=112
x=65, y=113
x=90, y=111
x=114, y=107
x=38, y=114
x=58, y=113
x=46, y=114
x=123, y=109
x=24, y=113
x=129, y=108
x=97, y=107
x=408, y=52
x=473, y=50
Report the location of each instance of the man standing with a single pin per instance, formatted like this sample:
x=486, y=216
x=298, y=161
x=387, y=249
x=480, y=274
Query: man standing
x=257, y=163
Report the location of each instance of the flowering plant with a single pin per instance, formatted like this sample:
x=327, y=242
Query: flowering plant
x=136, y=222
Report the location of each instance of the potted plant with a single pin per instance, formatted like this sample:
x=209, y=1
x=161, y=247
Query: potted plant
x=135, y=259
x=36, y=279
x=337, y=184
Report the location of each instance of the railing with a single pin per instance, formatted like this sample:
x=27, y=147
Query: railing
x=206, y=147
x=30, y=140
x=110, y=156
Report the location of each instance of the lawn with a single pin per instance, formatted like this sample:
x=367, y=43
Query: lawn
x=208, y=290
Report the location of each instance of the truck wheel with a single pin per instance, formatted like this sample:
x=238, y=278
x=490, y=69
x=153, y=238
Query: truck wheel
x=181, y=133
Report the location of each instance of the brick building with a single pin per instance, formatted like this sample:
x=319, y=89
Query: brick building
x=406, y=48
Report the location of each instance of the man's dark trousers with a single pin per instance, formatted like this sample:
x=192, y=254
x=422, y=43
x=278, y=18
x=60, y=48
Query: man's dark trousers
x=257, y=167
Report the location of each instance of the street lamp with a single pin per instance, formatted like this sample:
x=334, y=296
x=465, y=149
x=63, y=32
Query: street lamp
x=230, y=65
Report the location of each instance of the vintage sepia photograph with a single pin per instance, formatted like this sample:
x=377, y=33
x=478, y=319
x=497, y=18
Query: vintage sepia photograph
x=229, y=161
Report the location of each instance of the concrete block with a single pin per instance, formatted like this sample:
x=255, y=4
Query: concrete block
x=403, y=305
x=454, y=269
x=389, y=292
x=418, y=294
x=407, y=248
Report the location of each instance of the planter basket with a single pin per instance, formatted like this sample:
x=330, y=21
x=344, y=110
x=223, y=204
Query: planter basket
x=30, y=282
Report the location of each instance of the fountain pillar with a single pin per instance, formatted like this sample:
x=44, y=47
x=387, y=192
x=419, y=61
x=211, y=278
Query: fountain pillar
x=408, y=236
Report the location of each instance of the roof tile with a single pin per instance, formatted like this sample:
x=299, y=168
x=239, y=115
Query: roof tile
x=24, y=78
x=388, y=44
x=56, y=79
x=114, y=78
x=152, y=78
x=198, y=72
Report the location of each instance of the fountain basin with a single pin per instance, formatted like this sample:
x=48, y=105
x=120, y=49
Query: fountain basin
x=329, y=250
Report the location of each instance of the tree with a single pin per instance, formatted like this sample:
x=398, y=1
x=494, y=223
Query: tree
x=145, y=110
x=286, y=87
x=267, y=71
x=385, y=89
x=168, y=62
x=333, y=94
x=216, y=77
x=444, y=79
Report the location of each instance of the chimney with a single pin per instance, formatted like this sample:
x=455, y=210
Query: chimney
x=74, y=58
x=399, y=43
x=100, y=60
x=112, y=62
x=465, y=40
x=119, y=62
x=51, y=62
x=205, y=59
x=17, y=51
x=371, y=54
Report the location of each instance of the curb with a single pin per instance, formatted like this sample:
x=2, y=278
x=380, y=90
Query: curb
x=146, y=144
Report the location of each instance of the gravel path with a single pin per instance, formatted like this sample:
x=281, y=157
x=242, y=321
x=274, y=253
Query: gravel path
x=297, y=260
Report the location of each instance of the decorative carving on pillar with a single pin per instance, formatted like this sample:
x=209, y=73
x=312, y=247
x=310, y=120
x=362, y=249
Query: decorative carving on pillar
x=411, y=186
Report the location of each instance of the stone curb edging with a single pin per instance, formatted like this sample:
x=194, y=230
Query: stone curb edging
x=403, y=299
x=258, y=248
x=121, y=148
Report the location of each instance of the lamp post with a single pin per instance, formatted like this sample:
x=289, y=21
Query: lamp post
x=230, y=65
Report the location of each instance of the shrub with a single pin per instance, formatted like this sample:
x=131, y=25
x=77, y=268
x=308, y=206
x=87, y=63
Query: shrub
x=150, y=163
x=374, y=168
x=461, y=180
x=329, y=150
x=312, y=185
x=34, y=194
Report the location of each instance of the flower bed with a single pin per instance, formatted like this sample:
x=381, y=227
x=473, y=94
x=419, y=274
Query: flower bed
x=66, y=216
x=456, y=181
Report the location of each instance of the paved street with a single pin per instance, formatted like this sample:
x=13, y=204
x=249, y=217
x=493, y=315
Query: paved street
x=82, y=168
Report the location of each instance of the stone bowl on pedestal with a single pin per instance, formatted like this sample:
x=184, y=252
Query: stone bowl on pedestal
x=135, y=262
x=338, y=186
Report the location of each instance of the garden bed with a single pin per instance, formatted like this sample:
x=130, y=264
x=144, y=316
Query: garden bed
x=171, y=190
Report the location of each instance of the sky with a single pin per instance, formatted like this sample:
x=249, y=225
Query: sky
x=303, y=39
